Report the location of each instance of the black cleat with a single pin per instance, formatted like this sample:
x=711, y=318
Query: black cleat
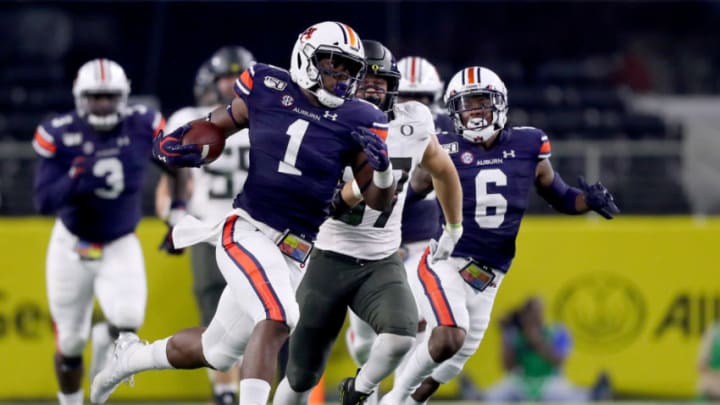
x=602, y=389
x=348, y=395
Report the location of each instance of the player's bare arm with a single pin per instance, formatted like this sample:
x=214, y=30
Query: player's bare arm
x=444, y=179
x=232, y=117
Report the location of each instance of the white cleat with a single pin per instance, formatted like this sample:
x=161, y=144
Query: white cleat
x=102, y=348
x=116, y=371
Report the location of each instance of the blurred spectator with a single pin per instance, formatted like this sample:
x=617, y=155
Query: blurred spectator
x=709, y=363
x=533, y=355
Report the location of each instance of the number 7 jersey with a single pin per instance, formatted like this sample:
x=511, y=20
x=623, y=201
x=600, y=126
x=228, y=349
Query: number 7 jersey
x=369, y=234
x=496, y=185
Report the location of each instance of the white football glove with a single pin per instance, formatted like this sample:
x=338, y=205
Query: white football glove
x=175, y=212
x=440, y=250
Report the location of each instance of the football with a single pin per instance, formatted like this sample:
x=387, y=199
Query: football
x=208, y=135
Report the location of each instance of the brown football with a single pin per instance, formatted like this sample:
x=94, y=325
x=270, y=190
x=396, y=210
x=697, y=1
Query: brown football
x=209, y=136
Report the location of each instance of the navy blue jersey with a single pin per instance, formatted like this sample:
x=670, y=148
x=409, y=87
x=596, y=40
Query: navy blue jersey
x=297, y=150
x=443, y=123
x=420, y=220
x=496, y=185
x=120, y=156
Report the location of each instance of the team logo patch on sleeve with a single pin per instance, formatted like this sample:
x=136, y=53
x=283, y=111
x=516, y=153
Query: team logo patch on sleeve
x=451, y=147
x=274, y=83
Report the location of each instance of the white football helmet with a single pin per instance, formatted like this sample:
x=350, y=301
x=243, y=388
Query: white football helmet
x=419, y=77
x=469, y=83
x=333, y=40
x=101, y=77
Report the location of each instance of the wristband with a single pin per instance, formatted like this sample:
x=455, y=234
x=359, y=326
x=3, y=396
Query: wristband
x=383, y=179
x=454, y=230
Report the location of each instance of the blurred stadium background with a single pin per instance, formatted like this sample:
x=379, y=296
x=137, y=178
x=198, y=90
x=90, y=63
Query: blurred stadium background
x=628, y=91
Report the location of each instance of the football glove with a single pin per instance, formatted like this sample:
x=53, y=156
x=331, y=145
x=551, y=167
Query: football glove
x=82, y=174
x=442, y=248
x=598, y=198
x=374, y=147
x=168, y=148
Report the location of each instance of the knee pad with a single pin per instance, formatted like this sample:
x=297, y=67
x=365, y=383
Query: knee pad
x=221, y=346
x=394, y=346
x=219, y=357
x=71, y=345
x=301, y=380
x=126, y=317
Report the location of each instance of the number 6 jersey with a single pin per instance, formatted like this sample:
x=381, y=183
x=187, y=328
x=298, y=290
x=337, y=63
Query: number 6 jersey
x=369, y=234
x=496, y=184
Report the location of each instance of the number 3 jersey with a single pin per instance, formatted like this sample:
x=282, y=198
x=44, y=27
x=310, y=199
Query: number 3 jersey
x=496, y=185
x=119, y=156
x=298, y=151
x=215, y=185
x=369, y=234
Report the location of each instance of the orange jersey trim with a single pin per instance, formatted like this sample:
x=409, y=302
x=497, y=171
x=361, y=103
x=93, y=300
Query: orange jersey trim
x=382, y=133
x=545, y=147
x=246, y=79
x=253, y=271
x=435, y=293
x=50, y=147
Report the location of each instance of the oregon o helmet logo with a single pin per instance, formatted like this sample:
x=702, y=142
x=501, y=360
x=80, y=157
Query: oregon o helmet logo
x=605, y=312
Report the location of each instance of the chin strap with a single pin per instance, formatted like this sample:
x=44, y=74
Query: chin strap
x=329, y=100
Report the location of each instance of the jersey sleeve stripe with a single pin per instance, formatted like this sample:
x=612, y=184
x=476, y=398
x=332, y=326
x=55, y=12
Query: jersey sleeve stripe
x=434, y=291
x=43, y=143
x=244, y=83
x=545, y=147
x=381, y=132
x=158, y=124
x=253, y=271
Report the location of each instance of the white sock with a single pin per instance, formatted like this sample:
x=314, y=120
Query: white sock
x=387, y=351
x=285, y=395
x=419, y=340
x=254, y=391
x=76, y=398
x=152, y=356
x=418, y=367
